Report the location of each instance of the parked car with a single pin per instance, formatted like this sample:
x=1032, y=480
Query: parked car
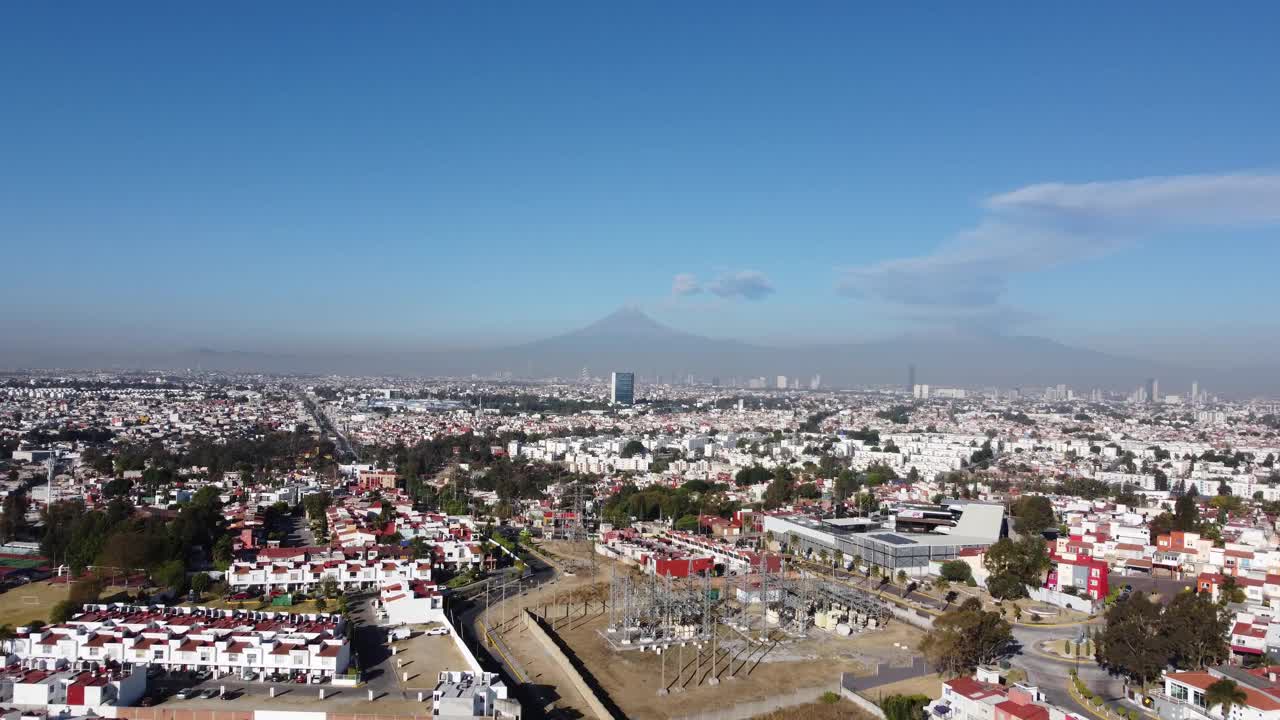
x=146, y=701
x=438, y=631
x=209, y=694
x=184, y=693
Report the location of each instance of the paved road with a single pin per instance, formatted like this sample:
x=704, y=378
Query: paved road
x=1052, y=674
x=312, y=404
x=162, y=688
x=300, y=534
x=370, y=643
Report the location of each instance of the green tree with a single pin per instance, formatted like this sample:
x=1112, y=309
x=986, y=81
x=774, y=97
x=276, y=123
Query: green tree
x=329, y=587
x=956, y=571
x=1015, y=566
x=1132, y=643
x=753, y=475
x=1229, y=590
x=1035, y=514
x=1186, y=515
x=780, y=490
x=1226, y=693
x=223, y=552
x=846, y=484
x=199, y=583
x=1200, y=625
x=904, y=707
x=172, y=575
x=965, y=637
x=687, y=523
x=62, y=611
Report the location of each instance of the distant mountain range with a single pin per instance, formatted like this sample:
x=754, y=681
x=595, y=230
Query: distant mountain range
x=629, y=340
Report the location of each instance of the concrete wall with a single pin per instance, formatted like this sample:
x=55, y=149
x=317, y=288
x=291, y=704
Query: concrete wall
x=289, y=715
x=472, y=663
x=553, y=651
x=853, y=697
x=911, y=617
x=863, y=704
x=1061, y=599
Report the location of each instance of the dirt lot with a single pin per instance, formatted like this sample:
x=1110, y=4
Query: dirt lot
x=551, y=685
x=930, y=685
x=843, y=710
x=632, y=678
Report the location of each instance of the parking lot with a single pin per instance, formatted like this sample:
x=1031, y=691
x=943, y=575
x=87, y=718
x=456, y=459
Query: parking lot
x=422, y=657
x=255, y=696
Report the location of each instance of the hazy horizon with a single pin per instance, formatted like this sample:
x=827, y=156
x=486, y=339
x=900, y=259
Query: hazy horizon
x=427, y=178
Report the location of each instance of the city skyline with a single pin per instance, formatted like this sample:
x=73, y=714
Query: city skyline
x=669, y=360
x=766, y=176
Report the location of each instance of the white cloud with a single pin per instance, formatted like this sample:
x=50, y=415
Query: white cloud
x=746, y=284
x=1236, y=200
x=685, y=284
x=1042, y=226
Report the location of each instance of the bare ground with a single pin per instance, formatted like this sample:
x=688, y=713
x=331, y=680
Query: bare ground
x=843, y=710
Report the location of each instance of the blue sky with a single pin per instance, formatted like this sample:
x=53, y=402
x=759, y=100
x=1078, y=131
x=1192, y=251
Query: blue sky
x=276, y=176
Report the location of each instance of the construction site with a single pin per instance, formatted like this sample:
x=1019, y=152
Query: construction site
x=657, y=646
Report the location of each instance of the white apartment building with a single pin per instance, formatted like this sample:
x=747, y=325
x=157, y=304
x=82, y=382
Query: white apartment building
x=462, y=695
x=308, y=573
x=412, y=603
x=225, y=642
x=73, y=692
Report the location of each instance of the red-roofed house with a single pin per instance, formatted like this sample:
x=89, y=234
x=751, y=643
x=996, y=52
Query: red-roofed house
x=1184, y=692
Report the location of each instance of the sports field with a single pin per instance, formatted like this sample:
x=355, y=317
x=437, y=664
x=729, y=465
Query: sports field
x=24, y=603
x=21, y=562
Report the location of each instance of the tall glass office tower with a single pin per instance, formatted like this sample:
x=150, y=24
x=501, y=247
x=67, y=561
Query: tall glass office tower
x=622, y=388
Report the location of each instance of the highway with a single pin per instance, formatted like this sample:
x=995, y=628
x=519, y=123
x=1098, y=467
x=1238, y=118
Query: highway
x=345, y=450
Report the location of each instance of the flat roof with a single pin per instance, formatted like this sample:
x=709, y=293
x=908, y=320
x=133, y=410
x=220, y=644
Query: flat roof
x=850, y=522
x=889, y=537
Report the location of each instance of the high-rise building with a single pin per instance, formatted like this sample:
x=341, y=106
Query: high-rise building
x=1195, y=392
x=1152, y=390
x=911, y=379
x=622, y=388
x=782, y=382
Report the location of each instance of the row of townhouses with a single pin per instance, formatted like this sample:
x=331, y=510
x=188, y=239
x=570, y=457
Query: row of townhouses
x=225, y=642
